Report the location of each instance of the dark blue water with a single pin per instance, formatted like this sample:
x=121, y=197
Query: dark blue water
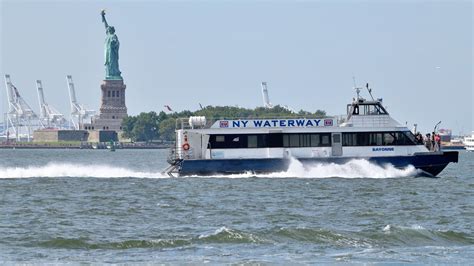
x=96, y=206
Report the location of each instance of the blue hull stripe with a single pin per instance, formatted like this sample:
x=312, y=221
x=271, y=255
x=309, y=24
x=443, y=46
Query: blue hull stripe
x=431, y=163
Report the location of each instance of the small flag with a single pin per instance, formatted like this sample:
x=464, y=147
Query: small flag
x=328, y=122
x=224, y=124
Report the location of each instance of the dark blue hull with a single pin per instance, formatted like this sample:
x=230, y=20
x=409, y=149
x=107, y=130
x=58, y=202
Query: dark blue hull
x=431, y=163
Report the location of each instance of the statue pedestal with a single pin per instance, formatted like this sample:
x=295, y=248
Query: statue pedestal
x=112, y=108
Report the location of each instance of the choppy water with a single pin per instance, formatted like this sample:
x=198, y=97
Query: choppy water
x=98, y=206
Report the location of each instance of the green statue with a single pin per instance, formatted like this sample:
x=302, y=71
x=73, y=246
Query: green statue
x=111, y=50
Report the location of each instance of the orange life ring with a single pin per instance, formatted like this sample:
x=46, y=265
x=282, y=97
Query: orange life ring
x=186, y=146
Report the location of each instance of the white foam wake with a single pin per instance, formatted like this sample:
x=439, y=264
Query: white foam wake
x=353, y=169
x=73, y=170
x=357, y=168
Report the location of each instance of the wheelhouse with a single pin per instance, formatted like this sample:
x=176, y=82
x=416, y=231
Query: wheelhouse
x=363, y=107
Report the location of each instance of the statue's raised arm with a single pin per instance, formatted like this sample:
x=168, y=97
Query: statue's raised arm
x=103, y=18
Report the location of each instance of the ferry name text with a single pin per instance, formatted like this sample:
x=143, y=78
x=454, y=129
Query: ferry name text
x=274, y=123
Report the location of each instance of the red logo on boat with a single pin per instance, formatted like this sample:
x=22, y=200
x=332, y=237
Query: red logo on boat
x=328, y=122
x=224, y=124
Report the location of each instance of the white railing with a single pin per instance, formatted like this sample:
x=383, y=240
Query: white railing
x=177, y=154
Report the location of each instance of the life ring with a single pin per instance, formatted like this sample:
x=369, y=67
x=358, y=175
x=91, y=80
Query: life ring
x=186, y=146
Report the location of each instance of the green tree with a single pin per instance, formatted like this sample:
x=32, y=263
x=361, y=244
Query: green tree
x=320, y=113
x=143, y=127
x=167, y=128
x=127, y=126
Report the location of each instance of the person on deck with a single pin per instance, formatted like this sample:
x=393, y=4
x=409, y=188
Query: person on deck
x=437, y=140
x=428, y=141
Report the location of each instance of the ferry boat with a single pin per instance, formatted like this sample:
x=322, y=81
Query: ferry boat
x=469, y=142
x=233, y=146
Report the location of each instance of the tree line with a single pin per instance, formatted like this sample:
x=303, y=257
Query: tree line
x=160, y=126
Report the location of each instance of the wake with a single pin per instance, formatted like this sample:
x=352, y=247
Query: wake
x=73, y=170
x=359, y=168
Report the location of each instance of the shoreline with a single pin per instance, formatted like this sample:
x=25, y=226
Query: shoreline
x=80, y=147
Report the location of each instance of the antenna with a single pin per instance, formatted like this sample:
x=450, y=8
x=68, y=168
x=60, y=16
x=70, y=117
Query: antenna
x=434, y=130
x=356, y=88
x=370, y=91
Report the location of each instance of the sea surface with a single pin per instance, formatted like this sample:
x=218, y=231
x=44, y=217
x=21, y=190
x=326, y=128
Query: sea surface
x=96, y=206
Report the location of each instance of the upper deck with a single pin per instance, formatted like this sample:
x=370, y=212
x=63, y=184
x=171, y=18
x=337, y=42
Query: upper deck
x=360, y=114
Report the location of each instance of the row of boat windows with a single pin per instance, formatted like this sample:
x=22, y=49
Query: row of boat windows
x=295, y=140
x=367, y=109
x=274, y=140
x=378, y=139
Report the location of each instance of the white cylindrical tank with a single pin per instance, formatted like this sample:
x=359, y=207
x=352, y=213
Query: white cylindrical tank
x=197, y=121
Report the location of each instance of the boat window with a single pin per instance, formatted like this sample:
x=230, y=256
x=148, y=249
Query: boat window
x=252, y=141
x=390, y=138
x=325, y=140
x=286, y=140
x=275, y=140
x=411, y=138
x=336, y=138
x=356, y=110
x=305, y=140
x=349, y=139
x=376, y=139
x=294, y=140
x=220, y=138
x=315, y=140
x=262, y=141
x=380, y=110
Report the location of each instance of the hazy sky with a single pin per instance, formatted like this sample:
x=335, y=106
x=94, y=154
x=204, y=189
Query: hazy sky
x=417, y=55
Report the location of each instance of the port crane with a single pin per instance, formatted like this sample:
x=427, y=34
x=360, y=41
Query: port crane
x=79, y=112
x=266, y=99
x=21, y=118
x=49, y=116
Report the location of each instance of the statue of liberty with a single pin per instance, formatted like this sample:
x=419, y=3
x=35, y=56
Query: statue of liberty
x=111, y=50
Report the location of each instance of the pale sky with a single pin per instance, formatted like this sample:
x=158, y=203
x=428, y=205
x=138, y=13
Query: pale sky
x=416, y=55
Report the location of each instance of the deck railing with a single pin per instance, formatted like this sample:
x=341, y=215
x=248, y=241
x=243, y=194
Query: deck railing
x=177, y=154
